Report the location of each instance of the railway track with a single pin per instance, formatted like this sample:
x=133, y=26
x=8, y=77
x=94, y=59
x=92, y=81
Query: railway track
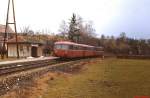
x=6, y=69
x=10, y=68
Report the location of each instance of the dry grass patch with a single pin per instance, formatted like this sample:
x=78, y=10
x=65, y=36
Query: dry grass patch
x=31, y=89
x=109, y=78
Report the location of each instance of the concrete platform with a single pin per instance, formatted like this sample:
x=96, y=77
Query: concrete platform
x=28, y=60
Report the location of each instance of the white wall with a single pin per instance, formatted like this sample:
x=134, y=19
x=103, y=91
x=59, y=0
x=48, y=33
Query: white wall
x=23, y=52
x=12, y=50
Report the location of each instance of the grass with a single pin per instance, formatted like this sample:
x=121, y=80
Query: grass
x=110, y=78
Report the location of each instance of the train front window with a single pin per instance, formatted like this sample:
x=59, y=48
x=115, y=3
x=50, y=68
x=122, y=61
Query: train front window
x=60, y=46
x=57, y=46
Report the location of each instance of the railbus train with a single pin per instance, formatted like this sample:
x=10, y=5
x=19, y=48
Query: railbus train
x=66, y=49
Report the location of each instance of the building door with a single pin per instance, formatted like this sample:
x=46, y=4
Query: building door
x=34, y=51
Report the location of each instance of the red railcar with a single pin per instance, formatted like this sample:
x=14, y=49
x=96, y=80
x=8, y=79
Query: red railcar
x=67, y=49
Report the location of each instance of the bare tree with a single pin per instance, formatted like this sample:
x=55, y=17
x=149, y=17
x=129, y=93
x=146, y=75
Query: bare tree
x=26, y=30
x=64, y=29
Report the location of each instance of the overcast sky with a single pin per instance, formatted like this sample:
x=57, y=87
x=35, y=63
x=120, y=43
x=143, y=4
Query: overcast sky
x=110, y=17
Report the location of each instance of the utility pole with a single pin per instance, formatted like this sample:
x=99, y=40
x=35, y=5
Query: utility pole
x=6, y=27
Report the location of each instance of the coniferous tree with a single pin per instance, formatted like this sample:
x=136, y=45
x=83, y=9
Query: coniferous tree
x=73, y=28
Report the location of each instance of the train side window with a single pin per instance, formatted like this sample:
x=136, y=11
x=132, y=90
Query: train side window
x=57, y=46
x=85, y=48
x=80, y=47
x=96, y=49
x=71, y=47
x=89, y=48
x=75, y=47
x=65, y=47
x=92, y=48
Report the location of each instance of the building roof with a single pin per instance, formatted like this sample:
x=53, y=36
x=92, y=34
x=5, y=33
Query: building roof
x=22, y=40
x=2, y=29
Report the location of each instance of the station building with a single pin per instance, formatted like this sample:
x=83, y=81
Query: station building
x=26, y=48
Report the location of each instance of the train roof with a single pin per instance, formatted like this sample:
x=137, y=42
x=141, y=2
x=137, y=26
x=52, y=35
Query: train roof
x=65, y=42
x=72, y=43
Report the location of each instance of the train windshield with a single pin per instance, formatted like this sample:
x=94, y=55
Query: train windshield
x=62, y=46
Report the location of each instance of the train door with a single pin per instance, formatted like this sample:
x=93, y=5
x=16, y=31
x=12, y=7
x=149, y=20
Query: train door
x=34, y=51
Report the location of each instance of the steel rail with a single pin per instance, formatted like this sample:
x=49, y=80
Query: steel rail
x=16, y=67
